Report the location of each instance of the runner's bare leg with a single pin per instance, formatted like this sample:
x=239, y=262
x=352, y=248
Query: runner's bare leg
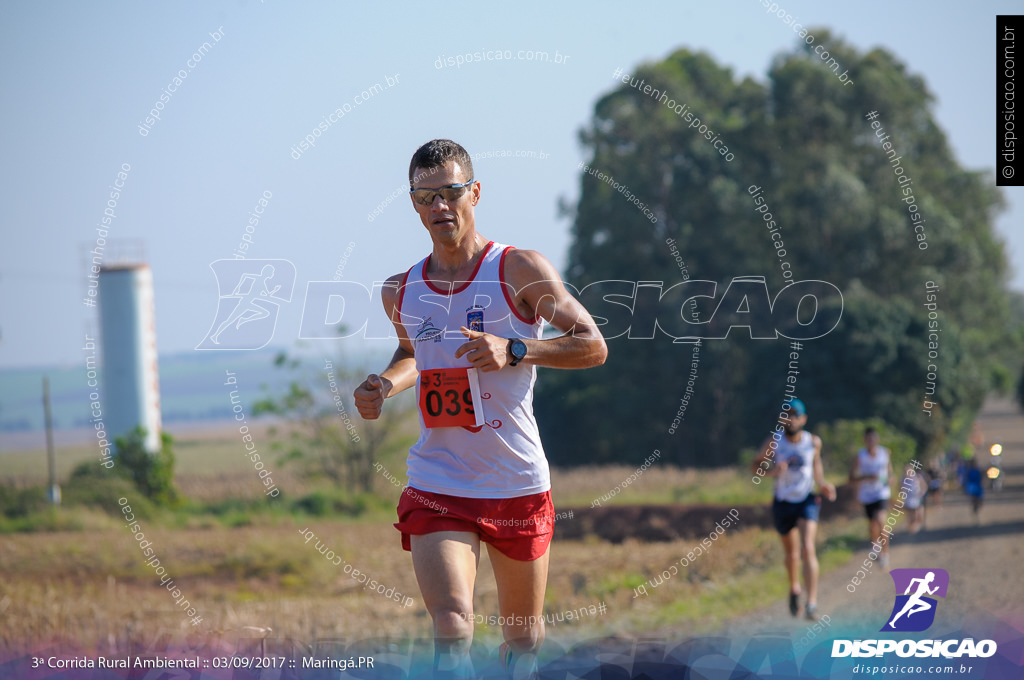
x=446, y=564
x=808, y=530
x=791, y=545
x=876, y=523
x=521, y=587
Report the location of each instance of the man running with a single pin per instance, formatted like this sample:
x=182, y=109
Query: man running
x=871, y=471
x=479, y=455
x=973, y=487
x=795, y=508
x=916, y=494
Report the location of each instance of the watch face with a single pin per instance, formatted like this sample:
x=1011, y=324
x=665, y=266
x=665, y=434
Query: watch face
x=518, y=349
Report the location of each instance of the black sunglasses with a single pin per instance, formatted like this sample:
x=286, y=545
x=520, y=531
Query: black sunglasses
x=450, y=193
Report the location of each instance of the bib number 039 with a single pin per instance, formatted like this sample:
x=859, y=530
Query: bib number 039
x=451, y=404
x=450, y=397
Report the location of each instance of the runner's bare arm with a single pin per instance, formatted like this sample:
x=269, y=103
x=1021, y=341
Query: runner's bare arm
x=540, y=292
x=855, y=470
x=764, y=457
x=400, y=373
x=819, y=472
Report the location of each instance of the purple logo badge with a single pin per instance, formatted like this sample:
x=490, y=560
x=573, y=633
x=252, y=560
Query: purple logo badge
x=914, y=610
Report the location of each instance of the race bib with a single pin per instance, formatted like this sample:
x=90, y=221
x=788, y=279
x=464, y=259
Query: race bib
x=450, y=397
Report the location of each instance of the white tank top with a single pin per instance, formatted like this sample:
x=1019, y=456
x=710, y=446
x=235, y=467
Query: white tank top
x=878, y=464
x=797, y=482
x=915, y=488
x=504, y=457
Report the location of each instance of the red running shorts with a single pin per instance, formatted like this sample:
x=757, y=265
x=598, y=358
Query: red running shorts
x=521, y=527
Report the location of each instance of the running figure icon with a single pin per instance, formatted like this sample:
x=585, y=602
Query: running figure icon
x=249, y=306
x=915, y=604
x=250, y=297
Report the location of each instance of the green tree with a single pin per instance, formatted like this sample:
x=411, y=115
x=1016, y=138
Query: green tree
x=324, y=434
x=152, y=473
x=804, y=139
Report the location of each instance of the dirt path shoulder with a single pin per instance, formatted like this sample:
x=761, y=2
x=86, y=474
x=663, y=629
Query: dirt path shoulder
x=986, y=587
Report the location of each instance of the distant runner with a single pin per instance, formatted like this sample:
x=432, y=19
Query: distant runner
x=973, y=488
x=936, y=483
x=797, y=467
x=872, y=471
x=915, y=504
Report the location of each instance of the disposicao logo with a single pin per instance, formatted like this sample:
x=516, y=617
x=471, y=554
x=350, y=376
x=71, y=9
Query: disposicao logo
x=914, y=611
x=251, y=293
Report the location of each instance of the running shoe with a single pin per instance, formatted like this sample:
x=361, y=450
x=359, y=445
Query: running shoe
x=794, y=603
x=883, y=560
x=527, y=668
x=811, y=612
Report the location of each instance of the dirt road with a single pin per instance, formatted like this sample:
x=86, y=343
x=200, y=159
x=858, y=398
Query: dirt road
x=986, y=587
x=985, y=600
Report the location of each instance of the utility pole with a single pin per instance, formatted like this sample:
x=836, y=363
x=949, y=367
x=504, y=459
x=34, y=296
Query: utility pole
x=51, y=457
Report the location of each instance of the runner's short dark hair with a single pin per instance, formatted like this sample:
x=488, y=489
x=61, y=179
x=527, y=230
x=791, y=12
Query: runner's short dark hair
x=437, y=152
x=870, y=430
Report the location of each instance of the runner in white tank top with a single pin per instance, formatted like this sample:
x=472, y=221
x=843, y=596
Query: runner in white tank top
x=873, y=468
x=793, y=457
x=916, y=489
x=872, y=471
x=471, y=352
x=796, y=482
x=503, y=458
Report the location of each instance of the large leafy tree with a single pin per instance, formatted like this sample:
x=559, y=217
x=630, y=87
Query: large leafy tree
x=804, y=140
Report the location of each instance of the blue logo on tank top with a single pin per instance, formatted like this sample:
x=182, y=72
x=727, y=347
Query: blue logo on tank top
x=427, y=331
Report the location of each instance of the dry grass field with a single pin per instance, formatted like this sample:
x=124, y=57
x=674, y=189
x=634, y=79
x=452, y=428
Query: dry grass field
x=90, y=589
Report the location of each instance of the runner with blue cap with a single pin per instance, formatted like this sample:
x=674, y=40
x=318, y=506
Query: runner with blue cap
x=794, y=457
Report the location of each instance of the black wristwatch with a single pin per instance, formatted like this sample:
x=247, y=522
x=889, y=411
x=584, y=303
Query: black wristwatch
x=517, y=348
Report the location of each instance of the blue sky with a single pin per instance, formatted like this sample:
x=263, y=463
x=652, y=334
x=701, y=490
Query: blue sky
x=79, y=79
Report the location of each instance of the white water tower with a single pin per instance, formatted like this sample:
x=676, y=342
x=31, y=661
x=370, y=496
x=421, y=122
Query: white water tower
x=131, y=379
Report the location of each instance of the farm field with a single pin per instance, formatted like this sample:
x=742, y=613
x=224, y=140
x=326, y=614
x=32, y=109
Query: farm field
x=90, y=589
